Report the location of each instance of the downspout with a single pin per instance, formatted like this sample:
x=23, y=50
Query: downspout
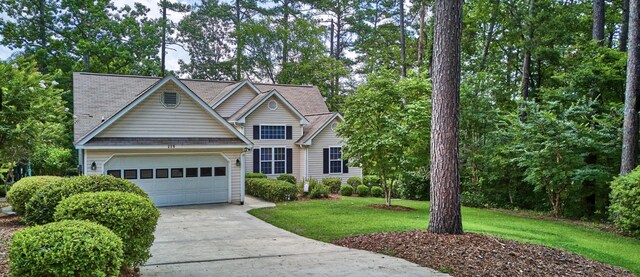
x=242, y=173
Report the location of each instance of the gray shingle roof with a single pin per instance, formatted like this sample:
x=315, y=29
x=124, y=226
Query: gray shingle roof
x=98, y=96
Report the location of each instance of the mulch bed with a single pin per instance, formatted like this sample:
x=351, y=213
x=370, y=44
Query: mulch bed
x=8, y=225
x=392, y=207
x=480, y=255
x=332, y=196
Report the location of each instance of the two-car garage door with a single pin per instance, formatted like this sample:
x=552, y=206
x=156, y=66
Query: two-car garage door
x=172, y=180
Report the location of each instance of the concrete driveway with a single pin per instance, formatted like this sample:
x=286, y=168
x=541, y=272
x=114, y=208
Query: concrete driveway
x=224, y=240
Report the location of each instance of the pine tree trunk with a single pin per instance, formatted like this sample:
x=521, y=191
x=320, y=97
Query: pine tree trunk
x=524, y=84
x=421, y=42
x=239, y=44
x=164, y=38
x=630, y=125
x=624, y=29
x=43, y=36
x=285, y=39
x=445, y=216
x=402, y=43
x=598, y=22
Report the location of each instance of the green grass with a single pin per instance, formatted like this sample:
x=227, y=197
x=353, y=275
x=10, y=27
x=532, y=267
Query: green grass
x=330, y=220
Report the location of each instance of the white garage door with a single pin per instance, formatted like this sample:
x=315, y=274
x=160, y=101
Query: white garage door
x=172, y=180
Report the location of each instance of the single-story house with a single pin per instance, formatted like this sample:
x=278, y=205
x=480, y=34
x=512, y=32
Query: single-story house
x=192, y=141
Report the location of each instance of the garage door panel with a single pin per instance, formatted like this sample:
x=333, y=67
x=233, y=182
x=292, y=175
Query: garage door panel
x=177, y=191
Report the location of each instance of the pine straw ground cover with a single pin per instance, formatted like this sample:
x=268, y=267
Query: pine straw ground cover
x=480, y=255
x=8, y=225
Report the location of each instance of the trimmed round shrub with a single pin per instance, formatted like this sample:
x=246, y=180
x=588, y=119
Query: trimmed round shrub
x=370, y=181
x=625, y=202
x=319, y=192
x=25, y=188
x=132, y=217
x=362, y=190
x=354, y=181
x=66, y=248
x=287, y=178
x=346, y=190
x=255, y=176
x=333, y=184
x=42, y=205
x=376, y=191
x=271, y=190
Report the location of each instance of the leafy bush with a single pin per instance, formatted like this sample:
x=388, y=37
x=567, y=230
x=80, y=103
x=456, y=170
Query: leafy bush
x=252, y=175
x=346, y=190
x=132, y=217
x=66, y=248
x=313, y=183
x=321, y=191
x=625, y=202
x=362, y=190
x=371, y=180
x=287, y=178
x=414, y=186
x=377, y=191
x=271, y=190
x=25, y=188
x=333, y=184
x=354, y=182
x=3, y=190
x=42, y=205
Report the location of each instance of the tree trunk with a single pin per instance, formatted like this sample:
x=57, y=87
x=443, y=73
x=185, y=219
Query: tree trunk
x=524, y=84
x=624, y=29
x=43, y=36
x=163, y=53
x=487, y=42
x=285, y=39
x=402, y=44
x=332, y=89
x=421, y=36
x=445, y=216
x=239, y=44
x=630, y=125
x=597, y=32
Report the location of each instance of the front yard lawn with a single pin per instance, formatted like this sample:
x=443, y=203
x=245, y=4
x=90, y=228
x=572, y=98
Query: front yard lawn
x=329, y=220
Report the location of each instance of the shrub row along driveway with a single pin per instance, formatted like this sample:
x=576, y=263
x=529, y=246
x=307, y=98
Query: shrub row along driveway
x=224, y=240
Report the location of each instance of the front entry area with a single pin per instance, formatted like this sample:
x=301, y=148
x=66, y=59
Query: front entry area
x=173, y=180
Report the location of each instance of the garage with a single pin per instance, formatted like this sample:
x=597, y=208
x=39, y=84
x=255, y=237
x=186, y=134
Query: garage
x=172, y=180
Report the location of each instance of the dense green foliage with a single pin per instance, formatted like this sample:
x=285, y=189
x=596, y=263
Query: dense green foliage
x=271, y=190
x=370, y=180
x=333, y=184
x=414, y=186
x=362, y=191
x=354, y=181
x=66, y=248
x=130, y=216
x=346, y=190
x=254, y=175
x=288, y=178
x=319, y=191
x=352, y=216
x=376, y=191
x=22, y=190
x=42, y=205
x=625, y=202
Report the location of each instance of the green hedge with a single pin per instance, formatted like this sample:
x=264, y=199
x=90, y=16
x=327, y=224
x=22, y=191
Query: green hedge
x=271, y=190
x=371, y=180
x=354, y=182
x=362, y=190
x=132, y=217
x=255, y=175
x=376, y=191
x=42, y=205
x=346, y=190
x=288, y=178
x=625, y=202
x=25, y=188
x=320, y=191
x=332, y=183
x=66, y=248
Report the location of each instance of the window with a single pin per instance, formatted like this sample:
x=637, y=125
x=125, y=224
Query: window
x=170, y=99
x=192, y=172
x=205, y=172
x=335, y=160
x=221, y=171
x=114, y=173
x=273, y=160
x=162, y=173
x=131, y=174
x=146, y=173
x=273, y=132
x=176, y=172
x=273, y=105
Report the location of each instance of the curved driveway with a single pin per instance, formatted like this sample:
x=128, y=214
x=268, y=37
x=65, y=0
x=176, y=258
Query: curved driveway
x=224, y=240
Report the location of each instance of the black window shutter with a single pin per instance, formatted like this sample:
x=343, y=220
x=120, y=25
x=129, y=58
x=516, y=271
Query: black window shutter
x=256, y=132
x=345, y=166
x=325, y=160
x=256, y=160
x=289, y=132
x=289, y=160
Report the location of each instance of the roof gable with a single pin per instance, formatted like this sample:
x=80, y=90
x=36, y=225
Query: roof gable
x=136, y=109
x=228, y=91
x=241, y=115
x=318, y=123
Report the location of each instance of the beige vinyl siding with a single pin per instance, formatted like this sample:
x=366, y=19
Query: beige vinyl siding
x=100, y=157
x=325, y=139
x=281, y=116
x=151, y=119
x=236, y=101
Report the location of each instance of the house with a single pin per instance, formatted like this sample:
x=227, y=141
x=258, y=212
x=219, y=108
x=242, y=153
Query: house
x=192, y=141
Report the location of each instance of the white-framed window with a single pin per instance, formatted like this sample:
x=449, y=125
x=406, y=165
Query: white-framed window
x=273, y=105
x=335, y=160
x=273, y=160
x=274, y=132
